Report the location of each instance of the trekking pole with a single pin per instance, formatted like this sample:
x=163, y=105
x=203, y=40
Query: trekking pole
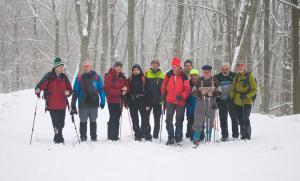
x=244, y=120
x=161, y=121
x=130, y=124
x=34, y=115
x=121, y=118
x=215, y=124
x=205, y=119
x=73, y=121
x=120, y=126
x=208, y=119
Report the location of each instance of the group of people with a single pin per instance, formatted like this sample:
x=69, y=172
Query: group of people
x=181, y=90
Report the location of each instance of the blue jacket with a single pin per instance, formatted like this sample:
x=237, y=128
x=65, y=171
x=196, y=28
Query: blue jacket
x=190, y=103
x=80, y=90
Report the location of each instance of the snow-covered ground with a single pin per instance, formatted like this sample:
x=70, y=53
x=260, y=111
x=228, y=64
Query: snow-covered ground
x=272, y=154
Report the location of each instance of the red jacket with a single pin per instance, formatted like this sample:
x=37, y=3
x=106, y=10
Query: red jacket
x=113, y=84
x=54, y=88
x=172, y=88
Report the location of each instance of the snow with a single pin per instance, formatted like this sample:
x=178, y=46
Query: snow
x=272, y=154
x=85, y=25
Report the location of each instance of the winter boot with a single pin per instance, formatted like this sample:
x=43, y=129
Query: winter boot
x=248, y=132
x=61, y=138
x=93, y=131
x=83, y=130
x=196, y=136
x=170, y=141
x=208, y=135
x=156, y=132
x=243, y=132
x=56, y=136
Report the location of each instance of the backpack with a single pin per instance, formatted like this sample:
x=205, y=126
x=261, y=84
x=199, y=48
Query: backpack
x=92, y=98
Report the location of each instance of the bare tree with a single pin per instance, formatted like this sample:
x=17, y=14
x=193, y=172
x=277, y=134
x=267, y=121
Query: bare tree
x=243, y=36
x=104, y=58
x=177, y=49
x=84, y=29
x=267, y=61
x=130, y=33
x=295, y=55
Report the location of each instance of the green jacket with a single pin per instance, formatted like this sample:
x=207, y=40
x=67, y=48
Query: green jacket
x=240, y=85
x=153, y=84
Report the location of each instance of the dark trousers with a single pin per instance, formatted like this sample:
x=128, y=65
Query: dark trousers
x=225, y=107
x=137, y=106
x=189, y=126
x=58, y=120
x=243, y=114
x=171, y=109
x=115, y=111
x=157, y=111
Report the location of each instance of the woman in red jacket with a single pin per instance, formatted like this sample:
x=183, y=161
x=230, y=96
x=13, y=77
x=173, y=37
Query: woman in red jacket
x=175, y=90
x=116, y=87
x=56, y=87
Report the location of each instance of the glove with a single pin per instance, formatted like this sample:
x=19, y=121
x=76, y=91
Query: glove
x=102, y=106
x=243, y=96
x=73, y=110
x=179, y=98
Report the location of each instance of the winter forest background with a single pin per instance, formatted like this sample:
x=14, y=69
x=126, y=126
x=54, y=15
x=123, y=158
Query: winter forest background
x=262, y=33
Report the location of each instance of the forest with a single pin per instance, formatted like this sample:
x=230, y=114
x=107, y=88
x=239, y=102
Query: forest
x=264, y=34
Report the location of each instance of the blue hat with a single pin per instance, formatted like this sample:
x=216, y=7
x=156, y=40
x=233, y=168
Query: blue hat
x=57, y=62
x=207, y=67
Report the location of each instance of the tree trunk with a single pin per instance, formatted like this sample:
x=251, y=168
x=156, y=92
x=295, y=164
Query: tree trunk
x=240, y=50
x=286, y=84
x=97, y=35
x=142, y=19
x=130, y=33
x=229, y=23
x=177, y=50
x=84, y=30
x=112, y=32
x=104, y=36
x=267, y=62
x=295, y=55
x=56, y=49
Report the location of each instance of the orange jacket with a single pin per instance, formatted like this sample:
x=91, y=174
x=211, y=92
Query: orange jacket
x=174, y=86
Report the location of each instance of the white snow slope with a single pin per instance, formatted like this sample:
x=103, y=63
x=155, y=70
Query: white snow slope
x=272, y=154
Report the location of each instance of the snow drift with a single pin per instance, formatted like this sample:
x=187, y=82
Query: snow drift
x=272, y=154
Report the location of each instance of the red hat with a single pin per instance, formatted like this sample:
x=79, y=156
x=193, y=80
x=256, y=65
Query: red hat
x=176, y=61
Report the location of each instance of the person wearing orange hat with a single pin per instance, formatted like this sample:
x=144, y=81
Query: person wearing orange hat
x=175, y=90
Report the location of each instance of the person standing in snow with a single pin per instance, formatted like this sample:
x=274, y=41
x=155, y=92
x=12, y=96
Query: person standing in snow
x=153, y=83
x=190, y=104
x=188, y=66
x=225, y=77
x=206, y=89
x=88, y=87
x=136, y=103
x=243, y=91
x=56, y=87
x=116, y=87
x=175, y=90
